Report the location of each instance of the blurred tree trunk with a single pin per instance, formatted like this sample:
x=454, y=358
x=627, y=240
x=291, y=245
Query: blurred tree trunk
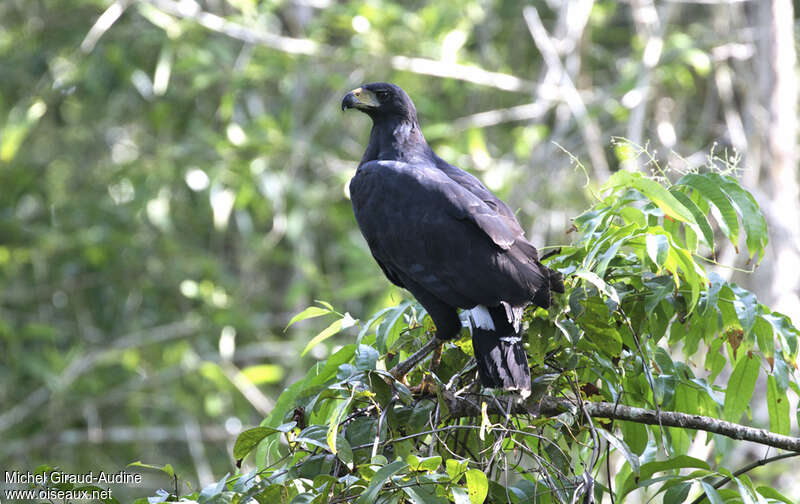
x=779, y=171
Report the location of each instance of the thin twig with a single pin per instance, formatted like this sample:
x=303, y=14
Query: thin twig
x=588, y=127
x=587, y=474
x=647, y=374
x=749, y=467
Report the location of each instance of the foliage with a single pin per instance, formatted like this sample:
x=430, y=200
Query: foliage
x=174, y=191
x=639, y=310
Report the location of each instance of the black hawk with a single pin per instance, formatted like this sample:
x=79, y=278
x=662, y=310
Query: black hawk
x=437, y=231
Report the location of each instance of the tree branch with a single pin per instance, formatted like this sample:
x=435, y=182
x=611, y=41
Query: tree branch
x=550, y=406
x=462, y=406
x=190, y=9
x=749, y=467
x=588, y=127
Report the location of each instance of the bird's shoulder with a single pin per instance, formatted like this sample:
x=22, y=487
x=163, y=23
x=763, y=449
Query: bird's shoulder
x=387, y=176
x=473, y=185
x=423, y=188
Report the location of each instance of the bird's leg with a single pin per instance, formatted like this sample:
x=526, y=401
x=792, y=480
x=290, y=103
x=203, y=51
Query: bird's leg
x=402, y=368
x=428, y=386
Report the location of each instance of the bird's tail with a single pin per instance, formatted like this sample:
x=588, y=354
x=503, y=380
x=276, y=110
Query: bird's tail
x=502, y=363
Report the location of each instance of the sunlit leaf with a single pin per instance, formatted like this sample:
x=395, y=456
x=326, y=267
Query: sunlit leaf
x=326, y=333
x=657, y=248
x=477, y=486
x=308, y=313
x=700, y=218
x=263, y=373
x=654, y=191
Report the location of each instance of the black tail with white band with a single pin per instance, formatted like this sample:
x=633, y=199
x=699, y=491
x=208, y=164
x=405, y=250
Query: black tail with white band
x=502, y=363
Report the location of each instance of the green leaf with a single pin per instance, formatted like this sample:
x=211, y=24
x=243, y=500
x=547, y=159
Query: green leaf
x=263, y=373
x=249, y=439
x=650, y=468
x=608, y=255
x=633, y=215
x=692, y=273
x=599, y=328
x=657, y=248
x=771, y=493
x=325, y=371
x=778, y=408
x=428, y=464
x=366, y=358
x=376, y=483
x=764, y=336
x=420, y=494
x=635, y=436
x=712, y=192
x=598, y=282
x=212, y=490
x=326, y=333
x=335, y=420
x=391, y=326
x=20, y=121
x=166, y=468
x=784, y=329
x=654, y=191
x=315, y=435
x=477, y=486
x=377, y=316
x=746, y=307
x=456, y=467
x=744, y=491
x=621, y=447
x=677, y=494
x=308, y=313
x=712, y=494
x=740, y=387
x=755, y=226
x=699, y=217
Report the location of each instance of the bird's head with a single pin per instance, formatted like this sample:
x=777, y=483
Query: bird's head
x=381, y=100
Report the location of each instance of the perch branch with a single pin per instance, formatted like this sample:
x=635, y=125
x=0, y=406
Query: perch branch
x=550, y=406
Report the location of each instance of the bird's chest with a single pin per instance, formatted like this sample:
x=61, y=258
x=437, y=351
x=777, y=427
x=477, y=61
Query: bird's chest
x=387, y=211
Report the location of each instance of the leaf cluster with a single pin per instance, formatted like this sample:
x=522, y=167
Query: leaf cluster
x=642, y=323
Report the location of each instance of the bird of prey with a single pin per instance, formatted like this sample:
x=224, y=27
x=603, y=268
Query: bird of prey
x=436, y=231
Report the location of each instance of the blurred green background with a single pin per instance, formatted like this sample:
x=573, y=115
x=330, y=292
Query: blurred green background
x=173, y=181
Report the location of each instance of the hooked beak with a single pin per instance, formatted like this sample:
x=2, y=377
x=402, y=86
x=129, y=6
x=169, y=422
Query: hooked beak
x=361, y=99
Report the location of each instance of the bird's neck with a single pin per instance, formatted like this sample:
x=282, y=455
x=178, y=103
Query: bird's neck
x=396, y=139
